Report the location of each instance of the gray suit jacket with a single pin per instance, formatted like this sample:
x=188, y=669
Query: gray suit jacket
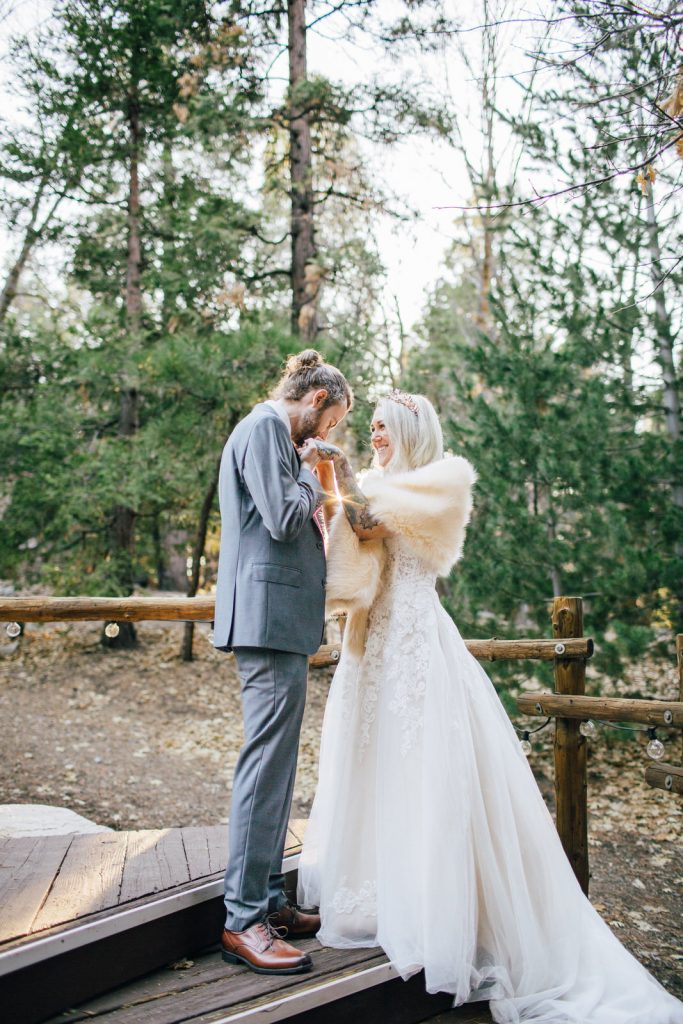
x=271, y=569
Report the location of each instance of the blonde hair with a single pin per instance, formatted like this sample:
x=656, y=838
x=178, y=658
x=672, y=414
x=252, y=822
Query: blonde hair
x=417, y=437
x=308, y=371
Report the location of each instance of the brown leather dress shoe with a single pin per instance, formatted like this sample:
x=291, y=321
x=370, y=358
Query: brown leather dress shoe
x=299, y=923
x=260, y=948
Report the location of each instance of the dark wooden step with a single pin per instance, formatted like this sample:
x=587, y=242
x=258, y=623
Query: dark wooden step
x=91, y=924
x=77, y=922
x=344, y=985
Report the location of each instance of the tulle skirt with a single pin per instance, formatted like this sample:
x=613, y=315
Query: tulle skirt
x=428, y=837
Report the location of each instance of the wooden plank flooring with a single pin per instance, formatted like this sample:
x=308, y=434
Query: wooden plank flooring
x=155, y=860
x=208, y=987
x=59, y=892
x=198, y=853
x=211, y=991
x=89, y=879
x=54, y=881
x=27, y=871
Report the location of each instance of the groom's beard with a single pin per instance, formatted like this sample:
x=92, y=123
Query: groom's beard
x=308, y=426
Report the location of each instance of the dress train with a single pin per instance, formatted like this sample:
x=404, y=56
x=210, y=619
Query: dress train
x=429, y=837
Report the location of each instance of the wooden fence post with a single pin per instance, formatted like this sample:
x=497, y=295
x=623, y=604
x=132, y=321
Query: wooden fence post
x=570, y=745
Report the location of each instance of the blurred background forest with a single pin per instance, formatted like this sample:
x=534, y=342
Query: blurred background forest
x=186, y=198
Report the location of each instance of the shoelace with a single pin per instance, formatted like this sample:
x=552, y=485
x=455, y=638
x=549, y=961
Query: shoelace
x=273, y=932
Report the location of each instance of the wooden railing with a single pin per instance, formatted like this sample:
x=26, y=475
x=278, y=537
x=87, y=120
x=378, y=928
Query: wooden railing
x=201, y=609
x=568, y=650
x=569, y=706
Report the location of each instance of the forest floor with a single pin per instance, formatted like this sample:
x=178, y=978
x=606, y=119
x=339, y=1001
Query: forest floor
x=139, y=739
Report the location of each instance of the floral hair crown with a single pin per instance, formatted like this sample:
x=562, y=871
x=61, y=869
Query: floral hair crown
x=403, y=399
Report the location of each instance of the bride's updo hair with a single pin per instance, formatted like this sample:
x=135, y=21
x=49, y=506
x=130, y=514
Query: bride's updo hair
x=414, y=429
x=308, y=371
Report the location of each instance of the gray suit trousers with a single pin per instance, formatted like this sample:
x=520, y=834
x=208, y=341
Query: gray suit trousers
x=273, y=698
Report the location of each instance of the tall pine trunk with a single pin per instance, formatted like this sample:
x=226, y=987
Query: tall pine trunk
x=305, y=275
x=197, y=552
x=122, y=537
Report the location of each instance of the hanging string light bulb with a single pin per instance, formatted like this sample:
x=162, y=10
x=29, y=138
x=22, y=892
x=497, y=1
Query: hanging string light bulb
x=525, y=743
x=13, y=629
x=589, y=729
x=655, y=747
x=112, y=630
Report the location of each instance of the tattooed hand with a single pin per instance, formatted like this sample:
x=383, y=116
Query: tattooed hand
x=356, y=505
x=326, y=451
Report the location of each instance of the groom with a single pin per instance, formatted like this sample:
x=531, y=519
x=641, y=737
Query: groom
x=270, y=600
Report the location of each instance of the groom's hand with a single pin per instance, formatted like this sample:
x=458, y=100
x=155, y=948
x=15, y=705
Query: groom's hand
x=309, y=454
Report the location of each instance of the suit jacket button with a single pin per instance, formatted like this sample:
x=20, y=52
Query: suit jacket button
x=319, y=544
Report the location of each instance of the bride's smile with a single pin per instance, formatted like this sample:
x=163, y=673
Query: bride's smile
x=381, y=442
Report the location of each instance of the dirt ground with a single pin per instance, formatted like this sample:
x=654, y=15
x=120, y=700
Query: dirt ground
x=142, y=740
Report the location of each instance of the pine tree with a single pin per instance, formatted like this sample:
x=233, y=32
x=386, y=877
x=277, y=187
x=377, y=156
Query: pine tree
x=548, y=395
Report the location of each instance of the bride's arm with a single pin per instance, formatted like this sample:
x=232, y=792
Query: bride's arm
x=325, y=473
x=355, y=504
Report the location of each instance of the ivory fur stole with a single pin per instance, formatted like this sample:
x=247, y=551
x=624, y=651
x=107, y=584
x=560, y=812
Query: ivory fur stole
x=428, y=507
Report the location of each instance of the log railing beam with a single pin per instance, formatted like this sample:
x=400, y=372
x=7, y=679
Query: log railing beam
x=665, y=776
x=114, y=609
x=201, y=609
x=602, y=709
x=578, y=648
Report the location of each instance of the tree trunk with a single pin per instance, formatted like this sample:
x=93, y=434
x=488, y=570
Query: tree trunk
x=483, y=317
x=664, y=335
x=11, y=284
x=305, y=274
x=123, y=517
x=31, y=236
x=664, y=339
x=632, y=301
x=159, y=553
x=197, y=552
x=168, y=308
x=485, y=182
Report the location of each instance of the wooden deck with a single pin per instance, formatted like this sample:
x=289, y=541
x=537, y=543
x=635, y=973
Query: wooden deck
x=80, y=914
x=57, y=880
x=342, y=985
x=89, y=925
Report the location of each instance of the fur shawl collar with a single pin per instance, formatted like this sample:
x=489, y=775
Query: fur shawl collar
x=428, y=507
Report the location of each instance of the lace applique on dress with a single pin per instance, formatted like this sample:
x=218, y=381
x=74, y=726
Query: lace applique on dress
x=407, y=703
x=397, y=650
x=407, y=661
x=364, y=899
x=371, y=672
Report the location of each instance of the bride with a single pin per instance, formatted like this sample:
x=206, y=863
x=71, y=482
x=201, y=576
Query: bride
x=428, y=835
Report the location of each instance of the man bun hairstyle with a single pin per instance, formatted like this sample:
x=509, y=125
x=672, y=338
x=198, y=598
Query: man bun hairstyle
x=308, y=371
x=306, y=360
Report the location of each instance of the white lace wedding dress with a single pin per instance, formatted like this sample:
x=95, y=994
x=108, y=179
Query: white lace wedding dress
x=429, y=837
